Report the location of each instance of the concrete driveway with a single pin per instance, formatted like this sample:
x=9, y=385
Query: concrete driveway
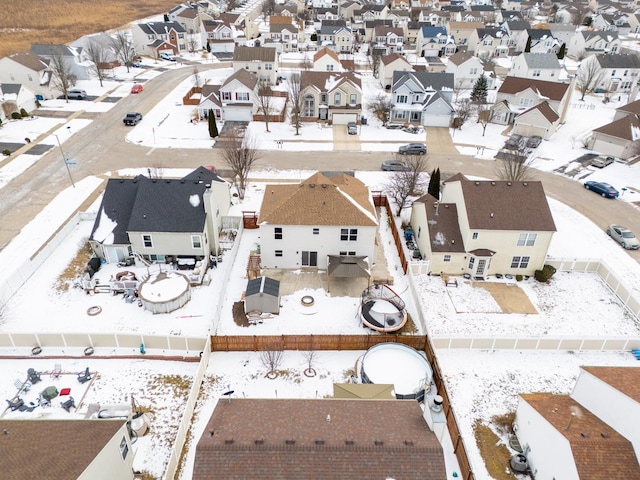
x=439, y=140
x=343, y=142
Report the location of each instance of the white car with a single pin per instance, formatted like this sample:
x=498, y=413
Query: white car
x=167, y=56
x=623, y=236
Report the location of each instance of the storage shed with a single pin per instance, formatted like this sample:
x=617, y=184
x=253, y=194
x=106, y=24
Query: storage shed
x=262, y=295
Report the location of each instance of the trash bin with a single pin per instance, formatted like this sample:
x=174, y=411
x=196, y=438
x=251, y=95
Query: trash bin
x=363, y=120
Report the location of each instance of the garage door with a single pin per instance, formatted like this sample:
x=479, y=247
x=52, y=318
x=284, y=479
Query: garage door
x=237, y=114
x=344, y=118
x=436, y=120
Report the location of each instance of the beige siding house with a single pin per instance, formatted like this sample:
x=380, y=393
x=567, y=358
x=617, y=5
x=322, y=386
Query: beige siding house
x=336, y=97
x=301, y=224
x=261, y=61
x=484, y=227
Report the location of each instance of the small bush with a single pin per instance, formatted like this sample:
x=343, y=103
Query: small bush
x=38, y=104
x=518, y=278
x=23, y=113
x=16, y=115
x=6, y=152
x=545, y=274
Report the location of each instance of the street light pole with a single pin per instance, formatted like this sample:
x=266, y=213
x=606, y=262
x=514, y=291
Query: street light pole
x=64, y=159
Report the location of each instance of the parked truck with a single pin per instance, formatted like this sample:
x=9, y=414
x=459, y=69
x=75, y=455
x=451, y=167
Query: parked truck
x=132, y=119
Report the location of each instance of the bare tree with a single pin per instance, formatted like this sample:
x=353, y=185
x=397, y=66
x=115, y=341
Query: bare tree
x=588, y=77
x=580, y=12
x=123, y=48
x=62, y=78
x=307, y=63
x=484, y=117
x=381, y=106
x=514, y=166
x=309, y=356
x=240, y=152
x=462, y=112
x=99, y=58
x=405, y=184
x=268, y=8
x=265, y=101
x=374, y=62
x=192, y=40
x=296, y=100
x=197, y=80
x=271, y=359
x=459, y=88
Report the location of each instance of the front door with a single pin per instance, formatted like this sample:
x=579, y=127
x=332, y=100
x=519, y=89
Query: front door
x=309, y=259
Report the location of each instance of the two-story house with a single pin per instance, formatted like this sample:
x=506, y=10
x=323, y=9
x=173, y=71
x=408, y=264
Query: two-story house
x=71, y=57
x=388, y=38
x=130, y=220
x=591, y=433
x=393, y=62
x=302, y=224
x=284, y=32
x=617, y=72
x=335, y=35
x=326, y=60
x=219, y=35
x=238, y=95
x=540, y=40
x=516, y=95
x=154, y=38
x=489, y=42
x=32, y=71
x=261, y=61
x=461, y=31
x=590, y=42
x=466, y=70
x=538, y=66
x=620, y=138
x=484, y=227
x=423, y=98
x=518, y=33
x=334, y=97
x=434, y=42
x=374, y=11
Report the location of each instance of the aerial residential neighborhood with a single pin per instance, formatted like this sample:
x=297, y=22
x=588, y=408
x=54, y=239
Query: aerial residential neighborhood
x=325, y=239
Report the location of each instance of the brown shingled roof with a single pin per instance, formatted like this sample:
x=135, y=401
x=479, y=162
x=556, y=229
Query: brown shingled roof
x=545, y=109
x=459, y=58
x=444, y=228
x=503, y=205
x=318, y=200
x=552, y=90
x=254, y=54
x=59, y=449
x=392, y=57
x=326, y=439
x=633, y=107
x=599, y=452
x=243, y=76
x=623, y=379
x=31, y=61
x=325, y=51
x=626, y=128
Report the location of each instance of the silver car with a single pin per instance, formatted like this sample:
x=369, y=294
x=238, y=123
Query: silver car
x=352, y=128
x=395, y=166
x=623, y=236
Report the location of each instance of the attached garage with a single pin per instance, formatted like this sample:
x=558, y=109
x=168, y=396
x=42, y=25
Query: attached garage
x=234, y=113
x=344, y=118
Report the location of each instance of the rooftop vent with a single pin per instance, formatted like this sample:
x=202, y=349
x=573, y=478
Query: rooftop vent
x=328, y=418
x=378, y=442
x=525, y=183
x=493, y=183
x=319, y=442
x=408, y=443
x=349, y=442
x=259, y=442
x=289, y=442
x=509, y=184
x=604, y=435
x=477, y=183
x=228, y=441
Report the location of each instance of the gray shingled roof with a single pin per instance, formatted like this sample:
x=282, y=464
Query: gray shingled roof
x=541, y=60
x=436, y=80
x=618, y=60
x=50, y=50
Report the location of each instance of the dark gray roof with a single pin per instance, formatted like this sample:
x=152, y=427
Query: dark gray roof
x=541, y=60
x=168, y=206
x=203, y=174
x=517, y=24
x=482, y=8
x=539, y=33
x=618, y=60
x=117, y=200
x=161, y=28
x=265, y=285
x=437, y=81
x=50, y=50
x=10, y=87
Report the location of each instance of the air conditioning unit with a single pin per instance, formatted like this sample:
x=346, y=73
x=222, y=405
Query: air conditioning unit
x=519, y=463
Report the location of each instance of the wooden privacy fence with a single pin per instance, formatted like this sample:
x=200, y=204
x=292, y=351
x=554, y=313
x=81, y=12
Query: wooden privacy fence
x=255, y=343
x=452, y=425
x=381, y=200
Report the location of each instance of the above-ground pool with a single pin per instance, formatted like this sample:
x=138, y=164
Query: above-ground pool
x=402, y=366
x=165, y=292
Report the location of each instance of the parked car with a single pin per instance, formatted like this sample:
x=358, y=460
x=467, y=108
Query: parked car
x=132, y=119
x=137, y=88
x=168, y=56
x=76, y=93
x=394, y=166
x=352, y=128
x=413, y=149
x=534, y=142
x=515, y=142
x=623, y=236
x=602, y=188
x=602, y=161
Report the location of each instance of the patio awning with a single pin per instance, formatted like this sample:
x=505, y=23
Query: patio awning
x=351, y=266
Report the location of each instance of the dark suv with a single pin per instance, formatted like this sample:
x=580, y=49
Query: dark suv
x=413, y=149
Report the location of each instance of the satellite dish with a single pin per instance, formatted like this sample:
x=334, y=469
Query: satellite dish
x=229, y=393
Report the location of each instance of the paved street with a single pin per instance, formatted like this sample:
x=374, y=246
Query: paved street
x=101, y=148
